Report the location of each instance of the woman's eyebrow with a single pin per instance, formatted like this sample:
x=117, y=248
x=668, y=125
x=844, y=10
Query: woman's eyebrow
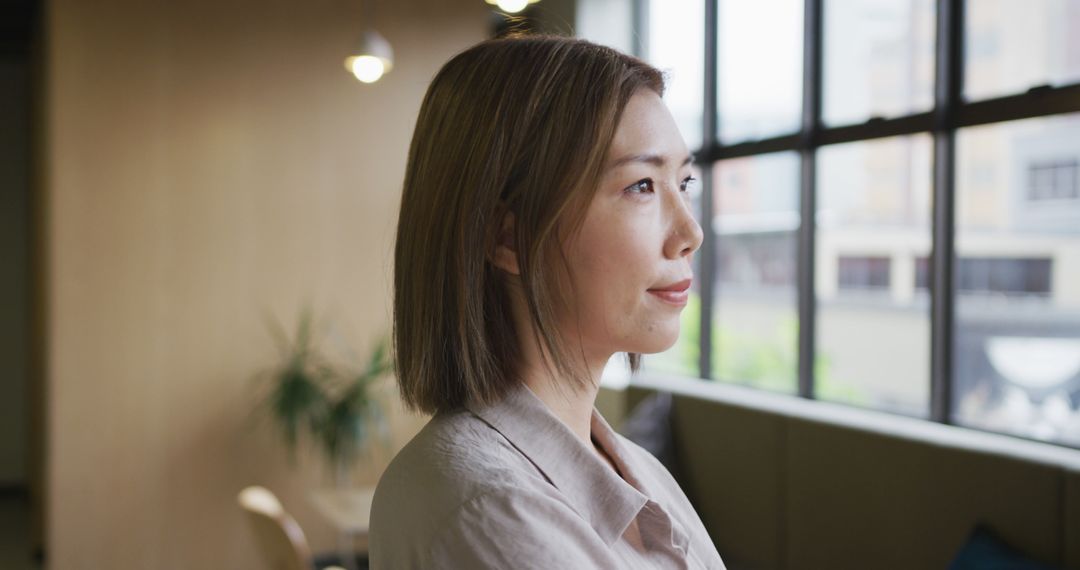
x=658, y=160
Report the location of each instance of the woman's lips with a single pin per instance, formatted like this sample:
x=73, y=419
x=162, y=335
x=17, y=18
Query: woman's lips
x=674, y=294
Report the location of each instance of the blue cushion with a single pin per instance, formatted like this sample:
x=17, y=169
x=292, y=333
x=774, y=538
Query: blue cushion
x=985, y=550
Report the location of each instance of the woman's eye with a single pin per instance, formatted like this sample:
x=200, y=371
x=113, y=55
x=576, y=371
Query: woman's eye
x=689, y=184
x=641, y=186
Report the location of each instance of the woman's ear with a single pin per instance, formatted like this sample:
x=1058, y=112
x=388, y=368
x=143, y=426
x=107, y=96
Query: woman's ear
x=505, y=256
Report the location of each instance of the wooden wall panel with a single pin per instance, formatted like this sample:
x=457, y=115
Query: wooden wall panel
x=209, y=162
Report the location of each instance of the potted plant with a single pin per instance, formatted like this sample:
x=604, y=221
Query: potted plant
x=351, y=413
x=332, y=405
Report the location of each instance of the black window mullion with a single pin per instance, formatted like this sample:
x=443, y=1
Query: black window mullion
x=809, y=139
x=1035, y=102
x=707, y=255
x=947, y=89
x=751, y=148
x=877, y=128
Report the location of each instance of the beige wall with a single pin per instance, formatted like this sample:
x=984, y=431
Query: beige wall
x=207, y=162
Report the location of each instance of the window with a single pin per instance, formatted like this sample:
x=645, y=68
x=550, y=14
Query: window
x=873, y=212
x=763, y=34
x=1003, y=275
x=863, y=273
x=1017, y=309
x=891, y=201
x=676, y=46
x=1011, y=46
x=754, y=298
x=995, y=275
x=879, y=59
x=1053, y=180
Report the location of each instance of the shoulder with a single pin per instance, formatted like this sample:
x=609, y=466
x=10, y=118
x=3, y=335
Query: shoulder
x=518, y=528
x=454, y=457
x=501, y=526
x=456, y=464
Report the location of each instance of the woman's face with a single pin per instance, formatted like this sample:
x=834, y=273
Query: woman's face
x=630, y=263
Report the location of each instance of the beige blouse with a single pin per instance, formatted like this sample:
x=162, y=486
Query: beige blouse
x=510, y=486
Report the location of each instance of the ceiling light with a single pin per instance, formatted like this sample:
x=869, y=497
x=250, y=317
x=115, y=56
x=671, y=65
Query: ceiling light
x=372, y=59
x=511, y=6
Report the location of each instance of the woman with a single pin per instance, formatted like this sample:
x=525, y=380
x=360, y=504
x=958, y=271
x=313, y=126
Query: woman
x=544, y=227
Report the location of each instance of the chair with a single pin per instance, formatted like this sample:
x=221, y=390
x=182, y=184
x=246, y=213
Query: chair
x=283, y=543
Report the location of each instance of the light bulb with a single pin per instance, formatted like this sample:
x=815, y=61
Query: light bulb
x=367, y=68
x=372, y=57
x=513, y=6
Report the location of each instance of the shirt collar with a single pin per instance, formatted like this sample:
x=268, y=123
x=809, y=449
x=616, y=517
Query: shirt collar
x=603, y=498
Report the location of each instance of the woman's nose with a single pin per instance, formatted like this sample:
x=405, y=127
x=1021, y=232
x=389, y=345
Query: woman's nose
x=685, y=235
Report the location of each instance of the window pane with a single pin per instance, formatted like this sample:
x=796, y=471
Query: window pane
x=1010, y=46
x=760, y=68
x=879, y=59
x=606, y=22
x=755, y=316
x=873, y=322
x=682, y=358
x=676, y=45
x=1017, y=360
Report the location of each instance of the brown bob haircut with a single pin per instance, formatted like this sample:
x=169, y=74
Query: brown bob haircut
x=517, y=125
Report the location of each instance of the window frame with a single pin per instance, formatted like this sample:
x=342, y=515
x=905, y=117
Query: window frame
x=949, y=114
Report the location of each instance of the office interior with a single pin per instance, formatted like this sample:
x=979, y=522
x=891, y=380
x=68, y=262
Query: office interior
x=879, y=366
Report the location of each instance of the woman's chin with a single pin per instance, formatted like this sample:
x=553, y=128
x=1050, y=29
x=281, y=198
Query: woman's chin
x=656, y=341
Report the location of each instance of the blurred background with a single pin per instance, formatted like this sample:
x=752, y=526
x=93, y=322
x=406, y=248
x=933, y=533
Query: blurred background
x=890, y=193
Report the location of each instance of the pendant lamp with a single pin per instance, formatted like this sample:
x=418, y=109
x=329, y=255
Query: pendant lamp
x=373, y=56
x=511, y=6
